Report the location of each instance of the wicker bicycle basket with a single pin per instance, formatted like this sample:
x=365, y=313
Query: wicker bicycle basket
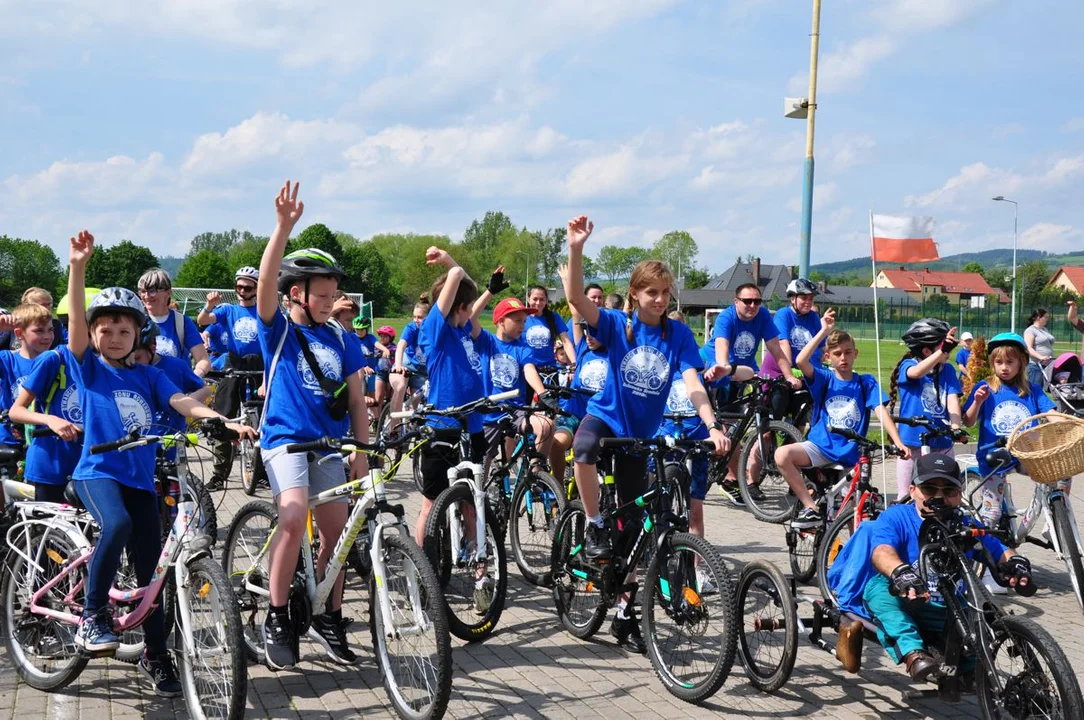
x=1050, y=450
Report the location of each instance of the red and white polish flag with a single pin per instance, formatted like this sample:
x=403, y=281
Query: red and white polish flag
x=899, y=239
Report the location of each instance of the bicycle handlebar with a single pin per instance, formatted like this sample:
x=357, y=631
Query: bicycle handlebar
x=864, y=442
x=659, y=442
x=230, y=372
x=212, y=427
x=470, y=407
x=349, y=444
x=934, y=428
x=47, y=432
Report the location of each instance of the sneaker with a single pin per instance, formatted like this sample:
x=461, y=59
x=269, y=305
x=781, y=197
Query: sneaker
x=330, y=633
x=596, y=542
x=704, y=584
x=627, y=633
x=483, y=595
x=162, y=674
x=215, y=483
x=755, y=493
x=278, y=641
x=807, y=519
x=729, y=490
x=96, y=634
x=991, y=585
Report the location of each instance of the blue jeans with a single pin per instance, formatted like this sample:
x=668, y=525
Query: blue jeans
x=127, y=517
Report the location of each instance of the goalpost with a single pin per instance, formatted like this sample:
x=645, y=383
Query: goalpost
x=197, y=297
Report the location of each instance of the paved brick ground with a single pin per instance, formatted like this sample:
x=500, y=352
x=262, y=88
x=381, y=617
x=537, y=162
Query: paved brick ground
x=531, y=668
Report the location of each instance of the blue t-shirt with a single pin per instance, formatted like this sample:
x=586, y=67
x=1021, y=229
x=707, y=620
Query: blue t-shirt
x=502, y=368
x=537, y=335
x=592, y=369
x=640, y=373
x=1003, y=411
x=898, y=527
x=919, y=398
x=367, y=345
x=744, y=336
x=678, y=402
x=50, y=460
x=180, y=374
x=242, y=326
x=799, y=330
x=296, y=407
x=169, y=344
x=218, y=339
x=962, y=356
x=413, y=354
x=454, y=366
x=841, y=404
x=14, y=370
x=114, y=402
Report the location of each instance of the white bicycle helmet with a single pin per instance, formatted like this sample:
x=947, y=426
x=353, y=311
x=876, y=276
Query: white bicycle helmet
x=801, y=286
x=117, y=300
x=248, y=273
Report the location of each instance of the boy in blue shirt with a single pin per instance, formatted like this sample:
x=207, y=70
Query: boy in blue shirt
x=305, y=403
x=34, y=331
x=841, y=399
x=884, y=555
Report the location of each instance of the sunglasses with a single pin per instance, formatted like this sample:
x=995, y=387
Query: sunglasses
x=945, y=491
x=750, y=301
x=245, y=288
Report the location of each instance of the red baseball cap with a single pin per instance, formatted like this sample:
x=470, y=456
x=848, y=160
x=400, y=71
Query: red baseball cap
x=508, y=306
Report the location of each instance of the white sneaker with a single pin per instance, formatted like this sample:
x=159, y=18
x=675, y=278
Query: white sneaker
x=704, y=585
x=990, y=584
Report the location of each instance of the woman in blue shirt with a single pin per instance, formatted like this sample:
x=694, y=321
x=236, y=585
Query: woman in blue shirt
x=117, y=397
x=544, y=328
x=178, y=335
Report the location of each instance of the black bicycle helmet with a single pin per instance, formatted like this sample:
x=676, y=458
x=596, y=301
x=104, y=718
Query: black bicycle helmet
x=147, y=335
x=801, y=286
x=305, y=264
x=925, y=333
x=117, y=300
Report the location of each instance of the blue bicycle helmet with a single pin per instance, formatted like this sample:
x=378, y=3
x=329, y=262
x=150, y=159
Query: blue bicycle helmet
x=1006, y=339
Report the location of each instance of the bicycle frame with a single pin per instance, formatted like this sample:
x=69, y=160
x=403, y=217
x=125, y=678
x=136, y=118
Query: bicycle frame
x=1021, y=524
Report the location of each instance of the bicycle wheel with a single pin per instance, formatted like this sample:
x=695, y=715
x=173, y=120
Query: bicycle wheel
x=42, y=649
x=474, y=593
x=415, y=655
x=1070, y=551
x=206, y=514
x=828, y=549
x=578, y=601
x=972, y=485
x=537, y=504
x=802, y=547
x=1036, y=678
x=247, y=565
x=131, y=641
x=768, y=638
x=212, y=671
x=690, y=627
x=253, y=473
x=774, y=502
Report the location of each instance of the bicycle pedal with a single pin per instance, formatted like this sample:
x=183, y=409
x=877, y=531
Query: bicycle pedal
x=98, y=654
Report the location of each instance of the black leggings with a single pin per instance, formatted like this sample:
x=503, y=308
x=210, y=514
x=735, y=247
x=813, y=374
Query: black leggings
x=442, y=453
x=630, y=471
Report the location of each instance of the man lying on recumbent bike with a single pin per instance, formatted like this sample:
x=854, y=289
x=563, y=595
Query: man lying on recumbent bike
x=883, y=556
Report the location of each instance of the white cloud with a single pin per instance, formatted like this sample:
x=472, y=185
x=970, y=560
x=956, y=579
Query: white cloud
x=845, y=151
x=978, y=182
x=846, y=68
x=1007, y=130
x=625, y=171
x=823, y=195
x=1074, y=125
x=1052, y=237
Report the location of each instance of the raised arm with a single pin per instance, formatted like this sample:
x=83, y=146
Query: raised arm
x=475, y=311
x=82, y=247
x=288, y=209
x=924, y=366
x=439, y=256
x=206, y=315
x=579, y=229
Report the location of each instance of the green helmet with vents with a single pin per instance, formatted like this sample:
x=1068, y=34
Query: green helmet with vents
x=302, y=265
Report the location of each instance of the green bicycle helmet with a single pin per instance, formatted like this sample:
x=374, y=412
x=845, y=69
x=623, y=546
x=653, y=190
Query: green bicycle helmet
x=303, y=265
x=362, y=323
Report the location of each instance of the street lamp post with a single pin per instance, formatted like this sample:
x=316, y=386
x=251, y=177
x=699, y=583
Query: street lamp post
x=807, y=171
x=1015, y=209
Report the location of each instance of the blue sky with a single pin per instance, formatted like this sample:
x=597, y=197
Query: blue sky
x=155, y=120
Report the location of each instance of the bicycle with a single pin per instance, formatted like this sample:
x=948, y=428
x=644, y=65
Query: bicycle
x=584, y=590
x=752, y=432
x=1010, y=650
x=869, y=503
x=384, y=423
x=1049, y=501
x=41, y=598
x=253, y=474
x=407, y=620
x=839, y=492
x=475, y=595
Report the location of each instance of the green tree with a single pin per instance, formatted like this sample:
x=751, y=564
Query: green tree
x=973, y=267
x=697, y=277
x=677, y=249
x=121, y=264
x=1031, y=279
x=618, y=262
x=367, y=273
x=248, y=251
x=318, y=236
x=23, y=264
x=550, y=246
x=483, y=238
x=220, y=242
x=205, y=269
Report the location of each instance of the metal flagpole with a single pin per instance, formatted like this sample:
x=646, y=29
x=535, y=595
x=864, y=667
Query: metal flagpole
x=877, y=341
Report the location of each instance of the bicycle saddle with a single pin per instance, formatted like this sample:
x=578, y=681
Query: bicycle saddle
x=71, y=497
x=10, y=454
x=999, y=458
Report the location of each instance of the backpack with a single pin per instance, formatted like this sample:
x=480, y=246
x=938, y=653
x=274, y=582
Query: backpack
x=178, y=326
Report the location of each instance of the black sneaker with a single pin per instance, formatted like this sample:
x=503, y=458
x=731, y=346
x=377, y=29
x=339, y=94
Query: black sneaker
x=330, y=633
x=162, y=674
x=215, y=483
x=627, y=633
x=807, y=519
x=596, y=542
x=755, y=493
x=730, y=490
x=278, y=641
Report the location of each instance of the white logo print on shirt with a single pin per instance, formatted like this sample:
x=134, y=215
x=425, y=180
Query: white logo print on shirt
x=538, y=336
x=16, y=387
x=843, y=412
x=645, y=371
x=330, y=365
x=472, y=355
x=165, y=346
x=678, y=402
x=745, y=344
x=593, y=374
x=244, y=330
x=799, y=338
x=1007, y=415
x=504, y=370
x=69, y=405
x=932, y=402
x=134, y=411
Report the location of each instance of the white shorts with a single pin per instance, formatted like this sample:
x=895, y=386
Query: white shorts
x=816, y=459
x=286, y=471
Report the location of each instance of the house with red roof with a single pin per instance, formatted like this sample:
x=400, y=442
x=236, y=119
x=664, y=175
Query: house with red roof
x=922, y=284
x=1068, y=278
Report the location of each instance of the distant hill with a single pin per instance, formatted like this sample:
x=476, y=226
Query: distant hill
x=170, y=264
x=988, y=258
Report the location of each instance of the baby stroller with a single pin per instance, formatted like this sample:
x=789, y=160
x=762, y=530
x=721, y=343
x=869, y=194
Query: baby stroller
x=1065, y=382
